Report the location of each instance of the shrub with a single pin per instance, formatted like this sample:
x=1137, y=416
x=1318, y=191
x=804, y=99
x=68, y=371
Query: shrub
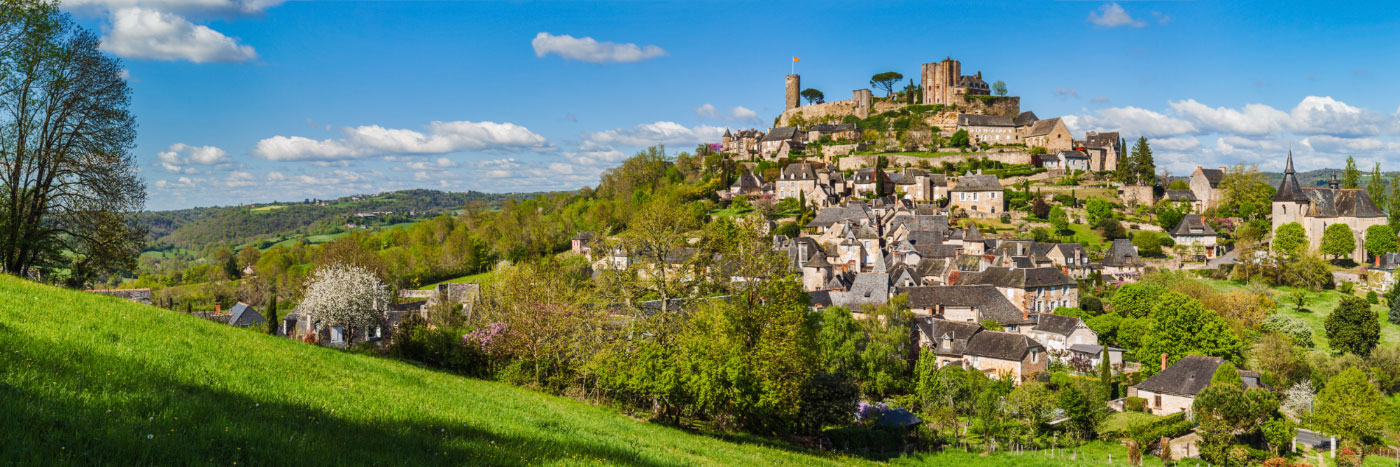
x=1291, y=326
x=1135, y=404
x=1346, y=287
x=1372, y=297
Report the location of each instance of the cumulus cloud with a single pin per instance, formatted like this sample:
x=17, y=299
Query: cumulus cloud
x=185, y=6
x=741, y=113
x=1183, y=143
x=586, y=49
x=706, y=111
x=1130, y=121
x=374, y=140
x=663, y=132
x=144, y=33
x=1112, y=15
x=180, y=156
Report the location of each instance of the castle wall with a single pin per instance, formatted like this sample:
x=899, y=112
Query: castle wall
x=869, y=160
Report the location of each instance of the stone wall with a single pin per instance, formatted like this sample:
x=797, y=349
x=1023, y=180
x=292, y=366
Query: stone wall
x=835, y=111
x=1007, y=105
x=869, y=160
x=832, y=150
x=1136, y=194
x=142, y=296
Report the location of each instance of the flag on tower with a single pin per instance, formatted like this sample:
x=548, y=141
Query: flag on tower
x=794, y=59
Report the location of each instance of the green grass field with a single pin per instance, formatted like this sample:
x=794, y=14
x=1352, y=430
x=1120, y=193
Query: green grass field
x=268, y=208
x=88, y=379
x=480, y=278
x=1320, y=304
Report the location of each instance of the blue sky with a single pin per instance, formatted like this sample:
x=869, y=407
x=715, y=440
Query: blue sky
x=242, y=101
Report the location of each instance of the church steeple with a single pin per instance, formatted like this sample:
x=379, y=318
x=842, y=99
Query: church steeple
x=1288, y=189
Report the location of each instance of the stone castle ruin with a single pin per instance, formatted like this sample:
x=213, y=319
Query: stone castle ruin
x=940, y=83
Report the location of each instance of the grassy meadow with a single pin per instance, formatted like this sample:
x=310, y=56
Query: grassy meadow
x=1319, y=306
x=88, y=379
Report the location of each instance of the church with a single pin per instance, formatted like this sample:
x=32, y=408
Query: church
x=1317, y=208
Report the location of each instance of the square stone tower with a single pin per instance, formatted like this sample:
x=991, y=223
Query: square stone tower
x=938, y=80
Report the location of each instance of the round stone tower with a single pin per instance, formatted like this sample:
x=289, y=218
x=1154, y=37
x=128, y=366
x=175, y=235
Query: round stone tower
x=794, y=89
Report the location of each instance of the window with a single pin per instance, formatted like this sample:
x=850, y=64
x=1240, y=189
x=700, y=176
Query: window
x=1157, y=400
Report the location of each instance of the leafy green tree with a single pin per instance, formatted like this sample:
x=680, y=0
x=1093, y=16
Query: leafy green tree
x=1224, y=411
x=1394, y=312
x=1169, y=214
x=1227, y=374
x=886, y=81
x=1289, y=240
x=885, y=356
x=999, y=87
x=1148, y=243
x=1136, y=300
x=1181, y=326
x=1099, y=209
x=839, y=341
x=1081, y=418
x=1179, y=184
x=1144, y=169
x=1111, y=229
x=812, y=95
x=71, y=186
x=1245, y=193
x=1059, y=219
x=960, y=139
x=1353, y=326
x=828, y=400
x=1351, y=176
x=1338, y=240
x=1381, y=239
x=1033, y=404
x=1375, y=187
x=1350, y=406
x=990, y=407
x=1394, y=203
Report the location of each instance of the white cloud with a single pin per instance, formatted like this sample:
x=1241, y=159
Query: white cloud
x=741, y=113
x=143, y=33
x=1112, y=15
x=179, y=156
x=190, y=6
x=1325, y=115
x=1130, y=121
x=706, y=111
x=663, y=132
x=587, y=49
x=239, y=179
x=1162, y=18
x=1183, y=143
x=1255, y=119
x=372, y=140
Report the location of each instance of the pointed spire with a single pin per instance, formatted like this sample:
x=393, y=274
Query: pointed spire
x=1289, y=169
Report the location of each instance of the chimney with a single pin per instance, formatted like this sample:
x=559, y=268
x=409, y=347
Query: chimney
x=1333, y=183
x=1025, y=314
x=1164, y=361
x=218, y=309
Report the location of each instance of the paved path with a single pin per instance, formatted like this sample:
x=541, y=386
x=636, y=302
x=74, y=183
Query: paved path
x=1312, y=439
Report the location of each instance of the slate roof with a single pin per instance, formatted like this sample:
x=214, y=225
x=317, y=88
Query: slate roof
x=1288, y=189
x=820, y=298
x=1181, y=195
x=1101, y=140
x=938, y=180
x=799, y=171
x=866, y=175
x=784, y=133
x=1072, y=155
x=748, y=180
x=1056, y=324
x=1019, y=278
x=988, y=302
x=1002, y=345
x=831, y=215
x=1043, y=127
x=242, y=315
x=958, y=332
x=1193, y=225
x=869, y=287
x=978, y=183
x=584, y=236
x=1025, y=118
x=1121, y=254
x=1212, y=175
x=1187, y=377
x=1328, y=202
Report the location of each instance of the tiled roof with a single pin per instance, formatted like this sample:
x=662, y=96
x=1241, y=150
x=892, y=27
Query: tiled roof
x=978, y=183
x=1193, y=225
x=1002, y=345
x=988, y=302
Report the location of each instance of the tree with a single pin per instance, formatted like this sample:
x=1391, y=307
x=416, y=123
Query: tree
x=886, y=81
x=1040, y=208
x=1225, y=411
x=272, y=314
x=1106, y=373
x=1375, y=187
x=1136, y=300
x=1353, y=326
x=1289, y=240
x=1244, y=192
x=1351, y=176
x=1099, y=209
x=1144, y=169
x=1394, y=311
x=960, y=139
x=1033, y=404
x=1394, y=203
x=1338, y=241
x=1180, y=326
x=1111, y=229
x=249, y=255
x=1297, y=330
x=1179, y=184
x=1059, y=219
x=658, y=231
x=348, y=297
x=1281, y=362
x=69, y=186
x=1350, y=406
x=812, y=95
x=999, y=87
x=1381, y=239
x=1148, y=243
x=1169, y=214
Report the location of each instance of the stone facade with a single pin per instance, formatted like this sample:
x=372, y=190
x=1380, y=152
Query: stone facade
x=943, y=83
x=1205, y=184
x=1317, y=208
x=793, y=84
x=1051, y=134
x=863, y=161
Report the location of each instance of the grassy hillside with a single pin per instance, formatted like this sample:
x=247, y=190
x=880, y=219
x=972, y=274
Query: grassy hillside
x=86, y=379
x=1320, y=305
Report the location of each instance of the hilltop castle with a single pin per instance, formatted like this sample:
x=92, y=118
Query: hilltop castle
x=940, y=83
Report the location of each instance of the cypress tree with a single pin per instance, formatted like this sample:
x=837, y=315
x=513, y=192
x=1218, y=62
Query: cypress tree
x=1375, y=187
x=272, y=314
x=1143, y=166
x=1106, y=374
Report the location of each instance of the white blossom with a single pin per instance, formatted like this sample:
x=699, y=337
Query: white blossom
x=350, y=297
x=1297, y=400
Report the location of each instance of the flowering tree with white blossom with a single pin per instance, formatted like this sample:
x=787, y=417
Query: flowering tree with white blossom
x=350, y=297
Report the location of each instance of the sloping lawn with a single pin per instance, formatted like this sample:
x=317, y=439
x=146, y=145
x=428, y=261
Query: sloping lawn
x=480, y=278
x=1320, y=304
x=88, y=379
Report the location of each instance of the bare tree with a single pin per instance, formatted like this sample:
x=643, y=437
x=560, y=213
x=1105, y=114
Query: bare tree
x=68, y=183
